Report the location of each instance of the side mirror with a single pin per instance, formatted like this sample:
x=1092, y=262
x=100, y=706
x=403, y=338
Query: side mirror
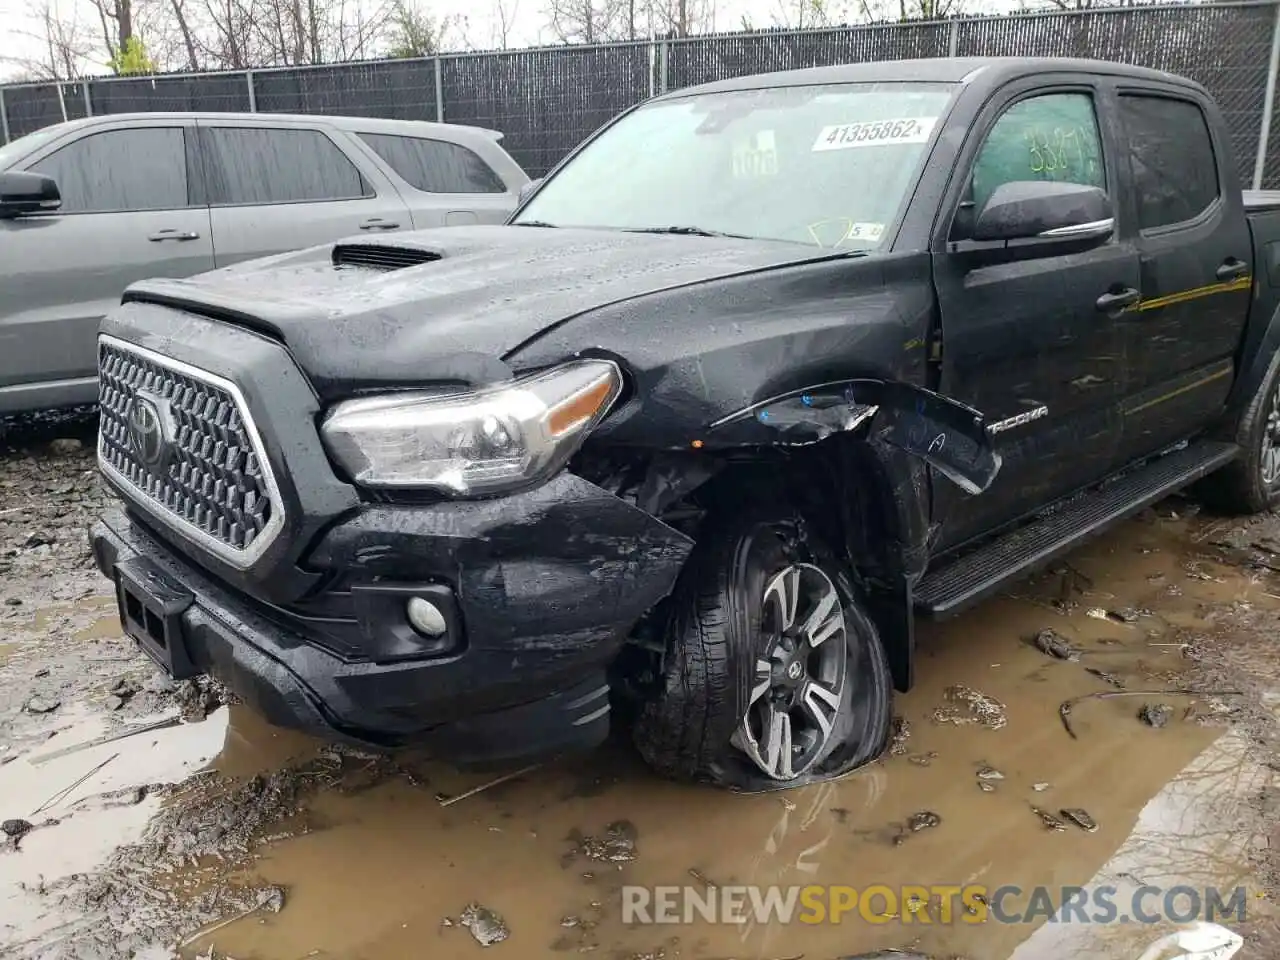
x=1045, y=210
x=528, y=189
x=23, y=193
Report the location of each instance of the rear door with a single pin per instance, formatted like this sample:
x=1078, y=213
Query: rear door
x=1195, y=251
x=279, y=187
x=132, y=208
x=446, y=184
x=1026, y=339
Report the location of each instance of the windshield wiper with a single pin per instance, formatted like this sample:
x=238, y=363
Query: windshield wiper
x=689, y=232
x=535, y=223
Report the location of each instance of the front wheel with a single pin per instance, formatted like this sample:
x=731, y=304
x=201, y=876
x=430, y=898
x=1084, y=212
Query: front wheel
x=774, y=676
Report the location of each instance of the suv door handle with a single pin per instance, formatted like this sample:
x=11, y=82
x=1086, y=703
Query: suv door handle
x=377, y=223
x=1118, y=300
x=1232, y=269
x=180, y=235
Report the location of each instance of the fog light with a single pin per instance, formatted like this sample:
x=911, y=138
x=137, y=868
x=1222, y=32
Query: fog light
x=425, y=617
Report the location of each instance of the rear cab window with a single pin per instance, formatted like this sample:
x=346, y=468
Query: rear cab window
x=261, y=166
x=1171, y=159
x=435, y=166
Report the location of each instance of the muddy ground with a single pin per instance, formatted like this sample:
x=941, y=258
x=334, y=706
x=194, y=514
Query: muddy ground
x=147, y=819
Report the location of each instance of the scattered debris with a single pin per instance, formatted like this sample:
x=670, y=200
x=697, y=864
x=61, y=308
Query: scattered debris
x=1054, y=644
x=1097, y=613
x=1155, y=715
x=39, y=704
x=1041, y=787
x=447, y=801
x=989, y=773
x=1049, y=820
x=110, y=738
x=1102, y=675
x=616, y=845
x=924, y=820
x=974, y=707
x=900, y=733
x=16, y=828
x=986, y=786
x=1064, y=710
x=1080, y=818
x=923, y=759
x=65, y=791
x=486, y=926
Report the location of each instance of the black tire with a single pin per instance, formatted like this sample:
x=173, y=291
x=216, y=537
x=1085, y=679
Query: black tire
x=714, y=638
x=1240, y=487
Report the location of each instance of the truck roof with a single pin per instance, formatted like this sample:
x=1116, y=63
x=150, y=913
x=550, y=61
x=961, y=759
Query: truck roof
x=989, y=71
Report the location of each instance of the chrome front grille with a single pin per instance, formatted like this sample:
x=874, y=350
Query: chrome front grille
x=182, y=441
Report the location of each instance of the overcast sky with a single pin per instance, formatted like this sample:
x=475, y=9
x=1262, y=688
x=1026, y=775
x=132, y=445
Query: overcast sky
x=530, y=25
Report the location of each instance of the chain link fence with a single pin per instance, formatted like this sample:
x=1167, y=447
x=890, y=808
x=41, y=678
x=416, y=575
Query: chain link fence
x=547, y=100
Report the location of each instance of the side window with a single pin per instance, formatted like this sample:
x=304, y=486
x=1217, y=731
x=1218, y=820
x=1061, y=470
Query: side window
x=118, y=170
x=252, y=165
x=1050, y=137
x=435, y=166
x=1175, y=174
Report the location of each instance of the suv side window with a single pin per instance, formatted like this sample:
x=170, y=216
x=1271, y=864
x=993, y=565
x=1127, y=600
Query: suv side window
x=1175, y=172
x=254, y=165
x=435, y=166
x=1049, y=137
x=143, y=168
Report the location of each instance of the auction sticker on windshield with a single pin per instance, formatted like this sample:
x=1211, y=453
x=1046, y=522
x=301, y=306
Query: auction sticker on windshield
x=875, y=133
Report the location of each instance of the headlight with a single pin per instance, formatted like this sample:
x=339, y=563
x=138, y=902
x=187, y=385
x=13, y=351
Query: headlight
x=473, y=443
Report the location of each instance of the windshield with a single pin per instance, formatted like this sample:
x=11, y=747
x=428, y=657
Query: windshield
x=823, y=165
x=24, y=145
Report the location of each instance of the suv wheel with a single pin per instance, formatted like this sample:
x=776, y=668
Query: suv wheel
x=774, y=675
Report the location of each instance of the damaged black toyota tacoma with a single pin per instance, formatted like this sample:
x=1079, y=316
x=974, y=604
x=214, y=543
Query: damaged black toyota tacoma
x=762, y=372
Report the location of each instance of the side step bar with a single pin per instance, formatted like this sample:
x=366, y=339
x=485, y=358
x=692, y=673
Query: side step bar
x=977, y=574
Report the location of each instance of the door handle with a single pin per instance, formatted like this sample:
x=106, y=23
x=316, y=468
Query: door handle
x=1232, y=269
x=179, y=235
x=1118, y=300
x=377, y=223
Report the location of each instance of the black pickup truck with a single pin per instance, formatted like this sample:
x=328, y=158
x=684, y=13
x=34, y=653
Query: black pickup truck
x=763, y=371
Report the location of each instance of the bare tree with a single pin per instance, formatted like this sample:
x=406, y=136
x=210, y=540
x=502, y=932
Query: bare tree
x=682, y=18
x=589, y=21
x=504, y=18
x=116, y=19
x=63, y=40
x=802, y=14
x=412, y=32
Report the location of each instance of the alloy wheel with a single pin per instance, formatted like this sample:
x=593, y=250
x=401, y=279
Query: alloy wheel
x=799, y=678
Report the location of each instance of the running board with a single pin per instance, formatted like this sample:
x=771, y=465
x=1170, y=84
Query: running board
x=977, y=574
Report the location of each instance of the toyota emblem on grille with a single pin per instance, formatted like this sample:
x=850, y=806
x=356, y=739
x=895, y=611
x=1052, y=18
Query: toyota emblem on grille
x=146, y=431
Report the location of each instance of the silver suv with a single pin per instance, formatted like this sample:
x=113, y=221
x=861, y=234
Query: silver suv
x=176, y=194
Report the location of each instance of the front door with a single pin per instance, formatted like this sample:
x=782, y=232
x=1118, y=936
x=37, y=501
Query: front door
x=1026, y=339
x=130, y=210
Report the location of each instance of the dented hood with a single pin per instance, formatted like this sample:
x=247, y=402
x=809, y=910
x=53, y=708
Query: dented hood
x=450, y=304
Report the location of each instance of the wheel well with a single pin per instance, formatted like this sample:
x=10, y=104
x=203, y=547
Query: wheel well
x=839, y=486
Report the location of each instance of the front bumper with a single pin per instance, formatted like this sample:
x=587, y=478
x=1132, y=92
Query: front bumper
x=545, y=587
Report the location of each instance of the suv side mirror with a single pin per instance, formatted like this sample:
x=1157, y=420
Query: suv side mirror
x=1042, y=209
x=22, y=193
x=527, y=190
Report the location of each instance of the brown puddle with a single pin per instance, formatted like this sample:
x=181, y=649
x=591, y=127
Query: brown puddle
x=375, y=862
x=383, y=867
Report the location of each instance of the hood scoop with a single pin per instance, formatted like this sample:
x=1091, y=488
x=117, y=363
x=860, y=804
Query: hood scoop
x=373, y=256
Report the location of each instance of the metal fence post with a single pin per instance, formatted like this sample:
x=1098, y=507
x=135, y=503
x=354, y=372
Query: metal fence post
x=253, y=94
x=4, y=117
x=953, y=38
x=1268, y=104
x=88, y=100
x=662, y=66
x=62, y=100
x=435, y=63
